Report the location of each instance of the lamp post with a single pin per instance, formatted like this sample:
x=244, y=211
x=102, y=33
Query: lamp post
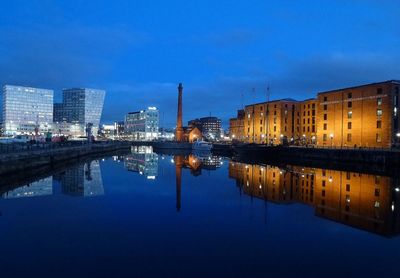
x=331, y=136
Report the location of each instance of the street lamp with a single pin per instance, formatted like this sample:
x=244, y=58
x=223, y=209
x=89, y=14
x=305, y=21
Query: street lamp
x=331, y=136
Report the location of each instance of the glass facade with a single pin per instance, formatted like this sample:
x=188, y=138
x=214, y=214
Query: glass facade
x=142, y=125
x=25, y=108
x=83, y=180
x=80, y=106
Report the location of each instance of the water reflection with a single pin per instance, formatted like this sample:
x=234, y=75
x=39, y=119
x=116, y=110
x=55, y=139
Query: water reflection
x=363, y=201
x=143, y=161
x=42, y=187
x=81, y=180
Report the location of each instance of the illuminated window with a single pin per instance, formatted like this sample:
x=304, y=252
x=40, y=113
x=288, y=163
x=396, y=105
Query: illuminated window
x=348, y=137
x=325, y=137
x=349, y=114
x=349, y=125
x=325, y=126
x=378, y=138
x=379, y=101
x=379, y=112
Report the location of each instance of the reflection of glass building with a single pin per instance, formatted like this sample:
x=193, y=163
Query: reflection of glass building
x=80, y=106
x=364, y=201
x=25, y=108
x=142, y=160
x=82, y=180
x=142, y=125
x=38, y=188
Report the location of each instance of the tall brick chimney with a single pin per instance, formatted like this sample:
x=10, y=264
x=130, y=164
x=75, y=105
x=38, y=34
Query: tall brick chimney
x=179, y=126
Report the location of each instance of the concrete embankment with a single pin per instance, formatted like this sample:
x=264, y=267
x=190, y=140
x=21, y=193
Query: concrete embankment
x=31, y=159
x=381, y=160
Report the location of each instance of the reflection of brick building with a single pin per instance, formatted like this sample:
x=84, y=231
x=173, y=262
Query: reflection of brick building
x=365, y=116
x=363, y=201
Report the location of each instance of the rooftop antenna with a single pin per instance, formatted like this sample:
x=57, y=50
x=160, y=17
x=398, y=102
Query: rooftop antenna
x=241, y=100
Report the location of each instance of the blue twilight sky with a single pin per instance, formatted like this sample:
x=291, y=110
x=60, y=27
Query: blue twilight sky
x=140, y=50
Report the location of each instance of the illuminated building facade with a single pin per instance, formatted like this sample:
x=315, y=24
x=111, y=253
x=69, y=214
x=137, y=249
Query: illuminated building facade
x=236, y=127
x=142, y=125
x=363, y=116
x=211, y=127
x=275, y=122
x=80, y=106
x=25, y=110
x=364, y=201
x=308, y=121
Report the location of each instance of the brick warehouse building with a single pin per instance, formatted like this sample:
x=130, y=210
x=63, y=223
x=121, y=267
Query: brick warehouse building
x=236, y=126
x=361, y=116
x=275, y=122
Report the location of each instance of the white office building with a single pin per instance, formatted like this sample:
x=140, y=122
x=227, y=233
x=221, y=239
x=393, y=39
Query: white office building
x=142, y=125
x=25, y=110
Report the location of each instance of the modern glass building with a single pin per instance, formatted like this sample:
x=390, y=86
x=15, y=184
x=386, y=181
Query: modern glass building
x=23, y=109
x=142, y=125
x=80, y=106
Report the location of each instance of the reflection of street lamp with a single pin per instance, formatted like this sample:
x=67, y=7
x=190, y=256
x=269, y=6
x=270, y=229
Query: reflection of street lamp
x=331, y=135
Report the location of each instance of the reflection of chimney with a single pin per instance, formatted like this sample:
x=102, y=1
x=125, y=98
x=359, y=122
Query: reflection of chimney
x=179, y=126
x=178, y=172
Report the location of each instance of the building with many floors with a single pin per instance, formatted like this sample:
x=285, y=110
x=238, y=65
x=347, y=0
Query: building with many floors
x=236, y=126
x=142, y=125
x=81, y=106
x=274, y=122
x=361, y=116
x=26, y=110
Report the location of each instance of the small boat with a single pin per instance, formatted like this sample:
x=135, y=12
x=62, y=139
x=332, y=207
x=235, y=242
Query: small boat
x=202, y=146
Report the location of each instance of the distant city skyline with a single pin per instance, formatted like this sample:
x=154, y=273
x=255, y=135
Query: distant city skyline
x=139, y=51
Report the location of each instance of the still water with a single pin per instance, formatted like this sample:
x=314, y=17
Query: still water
x=154, y=215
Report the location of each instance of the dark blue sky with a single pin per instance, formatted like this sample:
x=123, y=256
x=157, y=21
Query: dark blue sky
x=139, y=50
